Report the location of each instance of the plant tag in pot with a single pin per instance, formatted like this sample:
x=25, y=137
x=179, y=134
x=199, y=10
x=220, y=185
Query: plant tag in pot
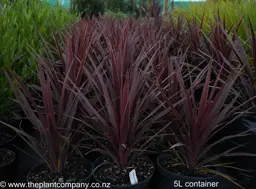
x=133, y=177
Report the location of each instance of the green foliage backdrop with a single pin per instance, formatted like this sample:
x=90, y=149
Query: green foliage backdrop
x=22, y=24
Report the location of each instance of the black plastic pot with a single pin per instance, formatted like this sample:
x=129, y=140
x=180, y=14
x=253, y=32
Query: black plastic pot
x=15, y=144
x=167, y=180
x=242, y=124
x=141, y=185
x=27, y=160
x=84, y=180
x=7, y=169
x=12, y=145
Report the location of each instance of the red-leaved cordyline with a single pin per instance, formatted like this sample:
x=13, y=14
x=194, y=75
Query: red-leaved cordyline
x=240, y=56
x=120, y=112
x=200, y=121
x=53, y=110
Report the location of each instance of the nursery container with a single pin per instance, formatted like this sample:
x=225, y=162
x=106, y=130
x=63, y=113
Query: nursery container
x=145, y=184
x=86, y=179
x=9, y=140
x=7, y=167
x=27, y=159
x=242, y=124
x=167, y=180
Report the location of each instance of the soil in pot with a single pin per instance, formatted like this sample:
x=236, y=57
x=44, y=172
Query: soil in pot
x=107, y=172
x=7, y=158
x=77, y=170
x=170, y=176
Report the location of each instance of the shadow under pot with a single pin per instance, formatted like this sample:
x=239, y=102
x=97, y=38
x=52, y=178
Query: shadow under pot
x=77, y=174
x=108, y=175
x=7, y=158
x=168, y=177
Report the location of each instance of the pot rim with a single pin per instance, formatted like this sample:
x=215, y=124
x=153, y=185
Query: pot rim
x=13, y=159
x=40, y=164
x=125, y=186
x=162, y=169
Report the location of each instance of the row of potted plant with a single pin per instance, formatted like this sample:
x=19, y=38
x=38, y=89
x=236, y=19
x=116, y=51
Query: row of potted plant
x=124, y=88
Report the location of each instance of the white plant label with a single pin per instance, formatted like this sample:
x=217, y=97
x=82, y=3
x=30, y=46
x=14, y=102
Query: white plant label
x=133, y=177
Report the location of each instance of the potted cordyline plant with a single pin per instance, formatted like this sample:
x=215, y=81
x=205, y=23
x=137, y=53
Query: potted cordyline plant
x=122, y=111
x=54, y=122
x=246, y=81
x=190, y=161
x=53, y=111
